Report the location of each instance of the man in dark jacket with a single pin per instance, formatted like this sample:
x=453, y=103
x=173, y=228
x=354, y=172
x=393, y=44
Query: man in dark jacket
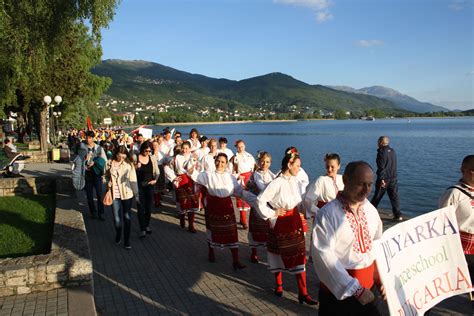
x=387, y=177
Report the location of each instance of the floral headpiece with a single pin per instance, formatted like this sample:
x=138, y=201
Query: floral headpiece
x=293, y=153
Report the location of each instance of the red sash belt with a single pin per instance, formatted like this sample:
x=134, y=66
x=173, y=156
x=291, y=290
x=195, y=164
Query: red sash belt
x=186, y=194
x=220, y=220
x=365, y=276
x=467, y=241
x=258, y=227
x=241, y=204
x=287, y=239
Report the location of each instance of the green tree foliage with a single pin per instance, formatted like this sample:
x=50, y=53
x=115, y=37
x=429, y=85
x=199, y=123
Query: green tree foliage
x=46, y=49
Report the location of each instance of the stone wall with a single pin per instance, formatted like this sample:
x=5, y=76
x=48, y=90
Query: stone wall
x=69, y=262
x=30, y=185
x=35, y=156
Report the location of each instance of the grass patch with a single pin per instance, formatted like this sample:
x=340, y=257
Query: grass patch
x=26, y=225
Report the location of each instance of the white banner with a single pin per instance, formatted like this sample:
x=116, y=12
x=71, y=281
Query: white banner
x=421, y=262
x=146, y=132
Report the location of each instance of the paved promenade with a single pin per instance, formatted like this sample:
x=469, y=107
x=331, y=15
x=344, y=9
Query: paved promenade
x=168, y=273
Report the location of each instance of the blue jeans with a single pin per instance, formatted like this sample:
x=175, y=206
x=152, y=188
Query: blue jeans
x=144, y=207
x=123, y=218
x=94, y=181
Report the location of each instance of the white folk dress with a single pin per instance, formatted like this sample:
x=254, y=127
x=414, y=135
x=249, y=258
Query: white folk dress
x=282, y=192
x=321, y=192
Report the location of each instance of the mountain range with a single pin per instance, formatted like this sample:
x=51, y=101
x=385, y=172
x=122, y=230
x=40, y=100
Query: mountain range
x=149, y=82
x=403, y=101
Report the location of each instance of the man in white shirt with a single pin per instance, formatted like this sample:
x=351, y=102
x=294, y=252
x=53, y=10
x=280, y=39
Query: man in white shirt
x=342, y=247
x=461, y=196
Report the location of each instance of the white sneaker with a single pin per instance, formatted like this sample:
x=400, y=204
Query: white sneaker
x=142, y=234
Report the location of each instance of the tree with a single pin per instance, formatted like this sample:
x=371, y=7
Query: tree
x=46, y=49
x=340, y=114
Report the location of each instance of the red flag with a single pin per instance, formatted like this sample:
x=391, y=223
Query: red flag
x=136, y=129
x=89, y=124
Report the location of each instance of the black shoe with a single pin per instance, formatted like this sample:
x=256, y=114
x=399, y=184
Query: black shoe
x=307, y=299
x=142, y=234
x=118, y=239
x=238, y=266
x=127, y=246
x=397, y=218
x=148, y=230
x=278, y=290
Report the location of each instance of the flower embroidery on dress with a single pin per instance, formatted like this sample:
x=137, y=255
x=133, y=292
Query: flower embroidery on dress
x=362, y=241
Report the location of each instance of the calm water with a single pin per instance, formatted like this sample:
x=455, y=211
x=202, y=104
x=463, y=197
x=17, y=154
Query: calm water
x=429, y=151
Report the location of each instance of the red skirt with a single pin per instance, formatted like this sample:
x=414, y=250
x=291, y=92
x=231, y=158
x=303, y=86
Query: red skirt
x=186, y=194
x=287, y=239
x=467, y=241
x=241, y=204
x=258, y=227
x=220, y=220
x=365, y=276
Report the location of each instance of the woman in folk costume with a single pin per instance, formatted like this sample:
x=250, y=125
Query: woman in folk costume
x=258, y=228
x=208, y=162
x=244, y=164
x=194, y=140
x=325, y=188
x=279, y=204
x=160, y=158
x=218, y=187
x=186, y=196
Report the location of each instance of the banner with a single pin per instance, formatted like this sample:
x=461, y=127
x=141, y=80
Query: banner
x=146, y=132
x=421, y=262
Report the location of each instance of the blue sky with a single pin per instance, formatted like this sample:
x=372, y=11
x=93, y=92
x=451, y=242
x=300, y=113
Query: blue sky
x=423, y=48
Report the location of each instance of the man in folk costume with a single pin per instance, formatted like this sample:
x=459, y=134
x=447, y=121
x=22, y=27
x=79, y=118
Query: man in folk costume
x=279, y=204
x=461, y=196
x=244, y=165
x=342, y=247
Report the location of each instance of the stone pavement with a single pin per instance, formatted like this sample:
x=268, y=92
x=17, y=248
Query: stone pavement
x=168, y=273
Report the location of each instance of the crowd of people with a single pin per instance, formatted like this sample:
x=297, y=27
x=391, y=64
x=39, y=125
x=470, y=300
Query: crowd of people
x=206, y=176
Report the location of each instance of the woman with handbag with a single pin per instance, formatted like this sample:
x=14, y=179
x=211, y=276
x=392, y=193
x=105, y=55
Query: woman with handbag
x=147, y=174
x=122, y=184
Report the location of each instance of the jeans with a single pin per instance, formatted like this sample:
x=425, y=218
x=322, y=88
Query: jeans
x=123, y=218
x=392, y=190
x=94, y=181
x=144, y=207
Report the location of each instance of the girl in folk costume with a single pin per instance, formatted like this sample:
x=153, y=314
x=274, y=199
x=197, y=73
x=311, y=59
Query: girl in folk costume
x=324, y=189
x=279, y=204
x=203, y=150
x=258, y=228
x=218, y=187
x=244, y=164
x=186, y=197
x=194, y=140
x=160, y=158
x=208, y=161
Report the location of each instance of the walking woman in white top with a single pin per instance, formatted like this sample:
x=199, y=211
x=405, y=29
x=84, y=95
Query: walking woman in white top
x=258, y=228
x=280, y=204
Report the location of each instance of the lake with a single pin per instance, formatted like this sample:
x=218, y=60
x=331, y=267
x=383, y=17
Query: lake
x=429, y=151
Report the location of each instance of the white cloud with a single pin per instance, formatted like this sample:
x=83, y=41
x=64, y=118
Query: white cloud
x=320, y=7
x=458, y=5
x=369, y=43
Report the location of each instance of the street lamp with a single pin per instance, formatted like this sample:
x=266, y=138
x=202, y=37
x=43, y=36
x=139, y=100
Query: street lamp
x=47, y=99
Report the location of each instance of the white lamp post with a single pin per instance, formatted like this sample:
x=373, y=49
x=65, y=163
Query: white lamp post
x=47, y=100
